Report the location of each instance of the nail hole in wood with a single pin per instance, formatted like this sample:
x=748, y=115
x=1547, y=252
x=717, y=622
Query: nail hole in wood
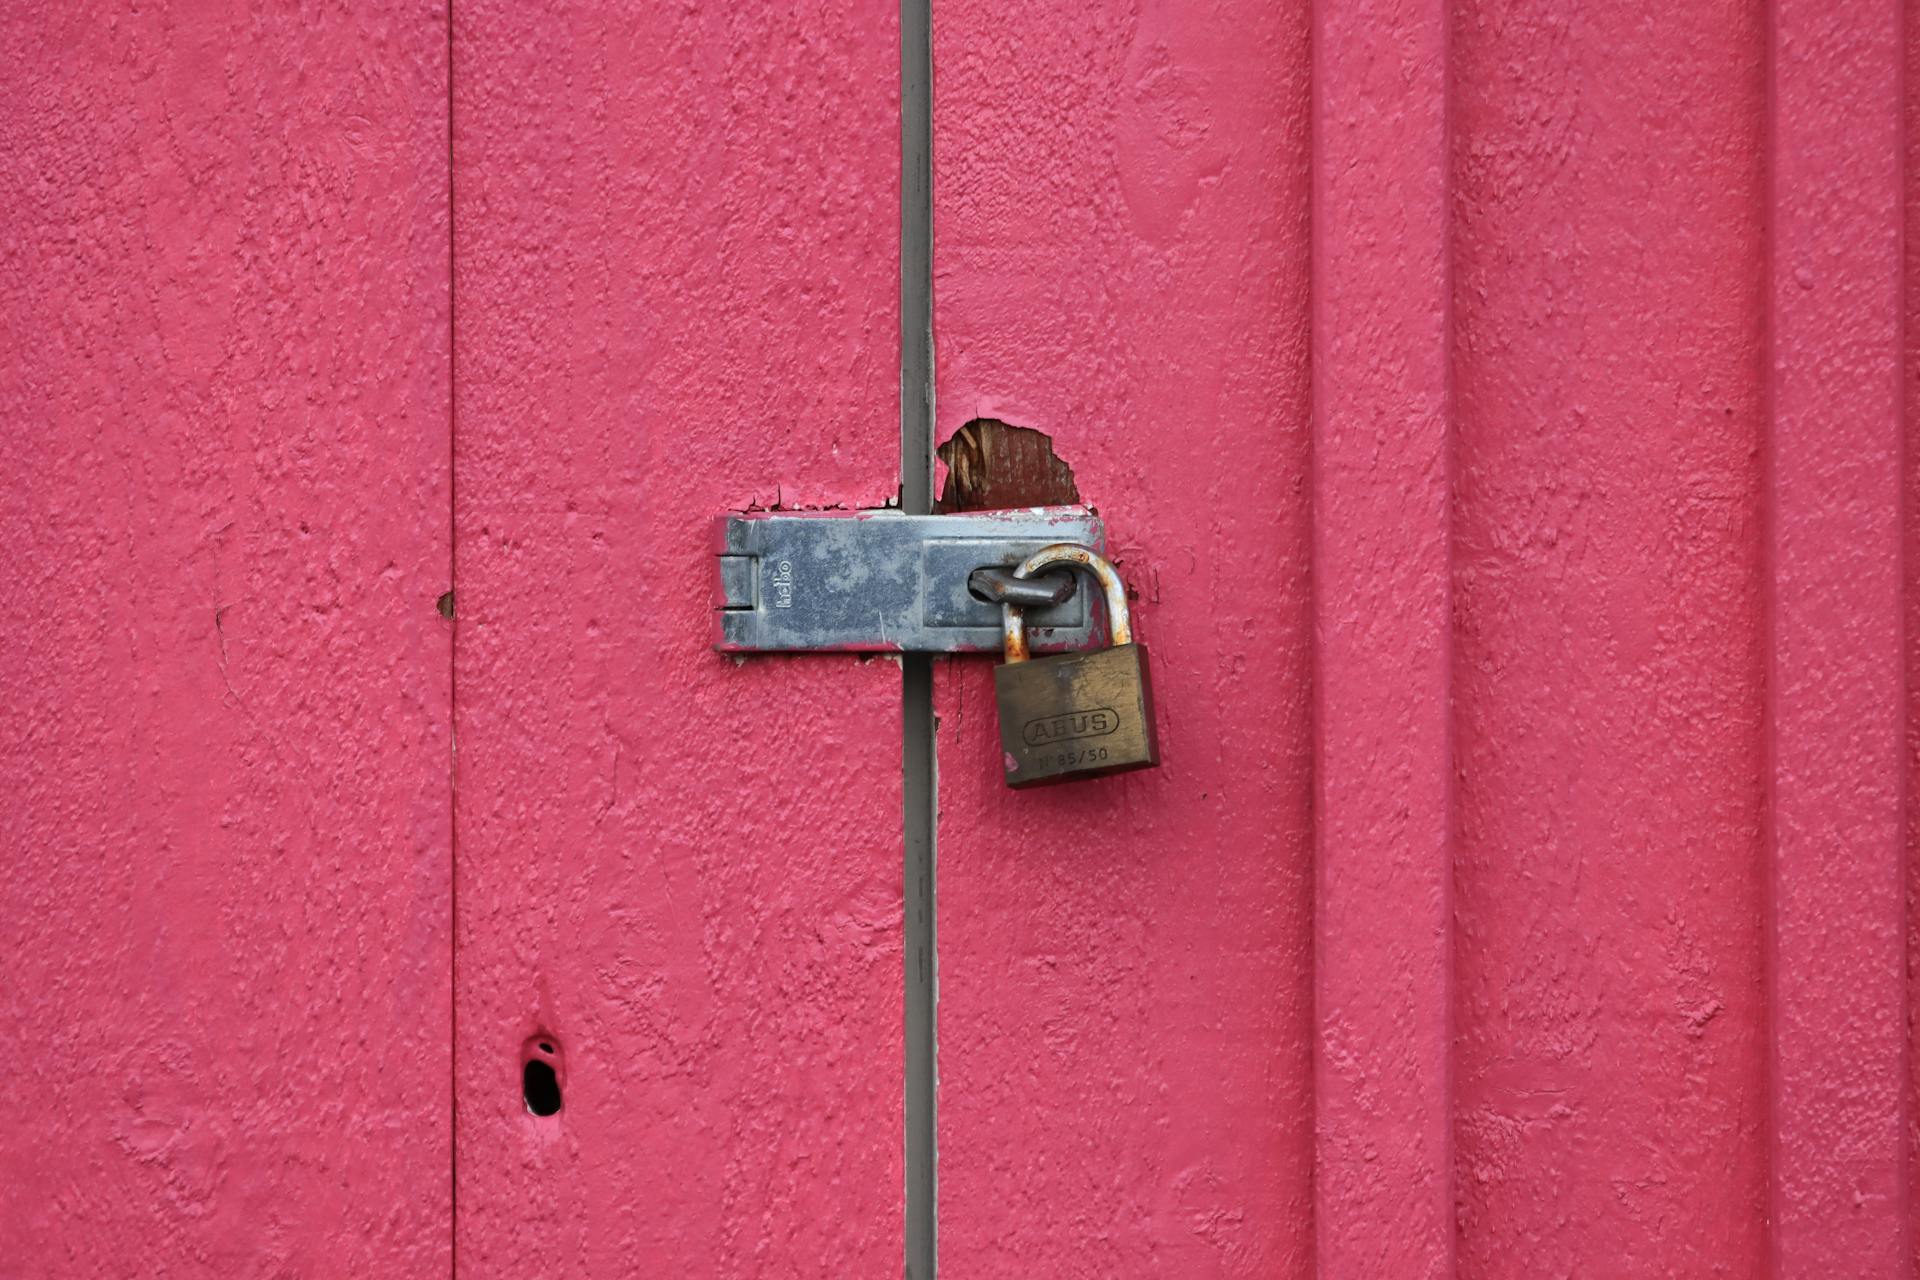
x=540, y=1087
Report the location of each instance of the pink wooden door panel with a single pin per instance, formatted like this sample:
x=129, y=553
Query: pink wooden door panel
x=1607, y=679
x=223, y=312
x=676, y=295
x=1126, y=966
x=1382, y=483
x=1600, y=796
x=1838, y=703
x=1499, y=411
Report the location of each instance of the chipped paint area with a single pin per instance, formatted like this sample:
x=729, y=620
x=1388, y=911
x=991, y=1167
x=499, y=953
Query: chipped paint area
x=992, y=465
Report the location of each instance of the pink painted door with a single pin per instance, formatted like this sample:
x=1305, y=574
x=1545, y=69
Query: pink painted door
x=1499, y=415
x=1503, y=430
x=225, y=817
x=675, y=296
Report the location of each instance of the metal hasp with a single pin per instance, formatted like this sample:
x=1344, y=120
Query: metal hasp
x=886, y=582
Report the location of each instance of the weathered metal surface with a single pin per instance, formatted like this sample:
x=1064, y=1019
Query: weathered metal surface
x=882, y=581
x=224, y=914
x=1017, y=629
x=1004, y=586
x=676, y=231
x=1075, y=715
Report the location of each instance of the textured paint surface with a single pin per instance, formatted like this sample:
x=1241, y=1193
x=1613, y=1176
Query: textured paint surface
x=1910, y=583
x=1125, y=1015
x=224, y=462
x=676, y=295
x=1836, y=685
x=1610, y=1097
x=1382, y=641
x=1501, y=429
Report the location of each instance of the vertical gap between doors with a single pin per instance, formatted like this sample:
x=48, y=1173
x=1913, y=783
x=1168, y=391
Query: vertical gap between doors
x=920, y=811
x=453, y=672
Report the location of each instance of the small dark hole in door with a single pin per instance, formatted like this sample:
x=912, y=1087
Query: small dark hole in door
x=540, y=1087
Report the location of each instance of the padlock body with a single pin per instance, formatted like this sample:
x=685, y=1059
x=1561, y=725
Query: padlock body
x=1076, y=715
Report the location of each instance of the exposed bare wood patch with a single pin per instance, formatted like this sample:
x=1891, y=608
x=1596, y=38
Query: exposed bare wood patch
x=993, y=465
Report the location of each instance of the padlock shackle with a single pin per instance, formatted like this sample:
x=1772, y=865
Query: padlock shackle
x=1013, y=623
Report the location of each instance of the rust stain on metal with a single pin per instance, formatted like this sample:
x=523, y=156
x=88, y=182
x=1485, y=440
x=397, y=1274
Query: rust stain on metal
x=994, y=465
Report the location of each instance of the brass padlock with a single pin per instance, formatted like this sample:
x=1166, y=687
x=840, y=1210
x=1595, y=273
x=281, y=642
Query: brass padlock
x=1075, y=715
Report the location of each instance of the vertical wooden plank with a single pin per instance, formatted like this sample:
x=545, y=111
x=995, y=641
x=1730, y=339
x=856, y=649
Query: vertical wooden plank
x=1837, y=689
x=223, y=310
x=1382, y=640
x=676, y=295
x=1609, y=199
x=1125, y=1018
